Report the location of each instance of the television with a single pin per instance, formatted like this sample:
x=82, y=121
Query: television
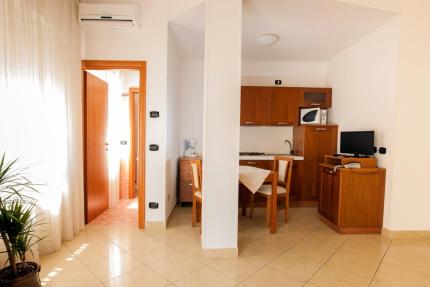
x=357, y=143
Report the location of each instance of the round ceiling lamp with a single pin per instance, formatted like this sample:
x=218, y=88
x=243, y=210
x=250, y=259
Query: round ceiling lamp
x=267, y=39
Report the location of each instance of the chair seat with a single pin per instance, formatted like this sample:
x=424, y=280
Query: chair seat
x=267, y=190
x=198, y=194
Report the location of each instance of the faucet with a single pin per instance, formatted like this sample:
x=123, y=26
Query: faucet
x=291, y=147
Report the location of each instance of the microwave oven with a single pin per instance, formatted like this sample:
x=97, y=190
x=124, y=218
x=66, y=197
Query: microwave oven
x=313, y=116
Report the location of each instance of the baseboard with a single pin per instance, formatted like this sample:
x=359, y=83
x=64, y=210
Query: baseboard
x=406, y=234
x=170, y=215
x=222, y=253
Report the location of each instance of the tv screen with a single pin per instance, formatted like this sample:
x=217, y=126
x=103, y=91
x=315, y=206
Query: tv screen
x=357, y=143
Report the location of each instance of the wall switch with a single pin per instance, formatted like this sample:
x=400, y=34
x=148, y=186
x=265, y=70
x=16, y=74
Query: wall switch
x=278, y=82
x=153, y=205
x=153, y=147
x=154, y=114
x=382, y=150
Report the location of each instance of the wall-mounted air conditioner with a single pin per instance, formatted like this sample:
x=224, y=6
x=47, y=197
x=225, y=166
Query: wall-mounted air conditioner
x=111, y=16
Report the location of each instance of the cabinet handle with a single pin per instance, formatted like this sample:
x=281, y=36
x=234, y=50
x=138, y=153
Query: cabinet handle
x=282, y=123
x=321, y=129
x=251, y=162
x=315, y=104
x=190, y=184
x=249, y=122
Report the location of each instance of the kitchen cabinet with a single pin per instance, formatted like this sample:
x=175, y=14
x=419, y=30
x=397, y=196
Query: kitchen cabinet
x=315, y=97
x=282, y=106
x=352, y=200
x=313, y=143
x=264, y=164
x=269, y=106
x=253, y=107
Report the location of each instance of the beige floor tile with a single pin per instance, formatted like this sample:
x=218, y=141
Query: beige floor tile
x=364, y=249
x=236, y=268
x=331, y=277
x=76, y=275
x=86, y=237
x=132, y=240
x=296, y=265
x=419, y=265
x=350, y=263
x=175, y=267
x=279, y=240
x=114, y=266
x=250, y=234
x=205, y=277
x=142, y=276
x=313, y=251
x=149, y=253
x=182, y=241
x=261, y=252
x=272, y=277
x=416, y=248
x=88, y=253
x=394, y=277
x=197, y=253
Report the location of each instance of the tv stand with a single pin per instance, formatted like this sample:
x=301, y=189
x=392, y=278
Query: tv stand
x=351, y=200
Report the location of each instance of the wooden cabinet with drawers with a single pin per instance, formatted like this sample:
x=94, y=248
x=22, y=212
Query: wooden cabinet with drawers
x=185, y=179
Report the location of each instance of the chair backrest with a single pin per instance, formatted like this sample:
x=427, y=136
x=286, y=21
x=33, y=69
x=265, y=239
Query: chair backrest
x=284, y=167
x=196, y=169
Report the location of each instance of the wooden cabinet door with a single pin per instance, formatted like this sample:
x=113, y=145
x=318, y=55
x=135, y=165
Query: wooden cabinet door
x=315, y=97
x=253, y=106
x=329, y=194
x=95, y=146
x=296, y=180
x=283, y=106
x=319, y=141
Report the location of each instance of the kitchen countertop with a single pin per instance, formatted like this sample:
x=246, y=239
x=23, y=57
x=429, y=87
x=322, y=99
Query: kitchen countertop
x=268, y=157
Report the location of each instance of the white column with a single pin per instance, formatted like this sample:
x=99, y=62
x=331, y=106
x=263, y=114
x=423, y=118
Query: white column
x=223, y=39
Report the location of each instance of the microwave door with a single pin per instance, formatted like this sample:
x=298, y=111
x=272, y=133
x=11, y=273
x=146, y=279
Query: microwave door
x=310, y=117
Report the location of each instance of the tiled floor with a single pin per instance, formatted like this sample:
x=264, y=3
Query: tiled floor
x=125, y=212
x=304, y=253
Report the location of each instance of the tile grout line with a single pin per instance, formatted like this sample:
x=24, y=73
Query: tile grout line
x=270, y=261
x=380, y=263
x=326, y=261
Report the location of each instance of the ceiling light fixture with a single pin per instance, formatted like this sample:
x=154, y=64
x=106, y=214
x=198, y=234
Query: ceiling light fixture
x=267, y=39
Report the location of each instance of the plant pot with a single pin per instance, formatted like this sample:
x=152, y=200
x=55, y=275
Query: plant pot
x=31, y=279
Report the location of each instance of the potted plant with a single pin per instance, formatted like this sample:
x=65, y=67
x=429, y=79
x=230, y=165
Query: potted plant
x=18, y=223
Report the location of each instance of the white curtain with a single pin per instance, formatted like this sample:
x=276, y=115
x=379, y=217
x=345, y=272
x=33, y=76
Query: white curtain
x=40, y=106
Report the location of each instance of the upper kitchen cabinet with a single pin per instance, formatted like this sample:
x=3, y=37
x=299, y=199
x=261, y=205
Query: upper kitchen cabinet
x=283, y=106
x=315, y=97
x=269, y=106
x=253, y=106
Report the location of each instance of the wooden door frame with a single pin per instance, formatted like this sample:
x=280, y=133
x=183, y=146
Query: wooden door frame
x=141, y=67
x=131, y=171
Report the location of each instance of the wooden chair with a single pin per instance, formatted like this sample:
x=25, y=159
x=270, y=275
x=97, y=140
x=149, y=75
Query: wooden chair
x=196, y=169
x=283, y=165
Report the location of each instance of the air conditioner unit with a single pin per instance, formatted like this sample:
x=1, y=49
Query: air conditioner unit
x=111, y=16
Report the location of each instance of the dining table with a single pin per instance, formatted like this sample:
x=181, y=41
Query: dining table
x=253, y=178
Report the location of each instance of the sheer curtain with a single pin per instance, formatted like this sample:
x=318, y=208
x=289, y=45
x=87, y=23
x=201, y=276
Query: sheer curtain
x=40, y=106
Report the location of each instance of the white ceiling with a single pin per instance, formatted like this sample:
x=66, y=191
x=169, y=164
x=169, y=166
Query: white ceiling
x=308, y=30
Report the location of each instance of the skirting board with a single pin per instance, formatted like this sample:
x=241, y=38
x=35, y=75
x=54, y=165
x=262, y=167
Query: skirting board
x=406, y=234
x=222, y=253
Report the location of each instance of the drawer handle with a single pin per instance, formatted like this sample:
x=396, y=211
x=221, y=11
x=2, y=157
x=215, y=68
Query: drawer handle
x=282, y=123
x=315, y=104
x=251, y=162
x=321, y=129
x=249, y=123
x=190, y=184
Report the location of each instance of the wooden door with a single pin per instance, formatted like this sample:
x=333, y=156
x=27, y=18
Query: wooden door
x=283, y=106
x=96, y=168
x=319, y=142
x=329, y=194
x=253, y=106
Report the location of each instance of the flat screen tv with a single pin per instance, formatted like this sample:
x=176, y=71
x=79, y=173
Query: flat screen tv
x=357, y=143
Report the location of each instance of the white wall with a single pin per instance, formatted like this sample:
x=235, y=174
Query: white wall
x=292, y=74
x=364, y=81
x=221, y=123
x=149, y=43
x=192, y=78
x=410, y=154
x=173, y=122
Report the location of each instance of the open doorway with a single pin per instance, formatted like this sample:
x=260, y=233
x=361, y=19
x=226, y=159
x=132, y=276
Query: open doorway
x=114, y=138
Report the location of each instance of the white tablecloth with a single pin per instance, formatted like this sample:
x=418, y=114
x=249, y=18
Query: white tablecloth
x=252, y=177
